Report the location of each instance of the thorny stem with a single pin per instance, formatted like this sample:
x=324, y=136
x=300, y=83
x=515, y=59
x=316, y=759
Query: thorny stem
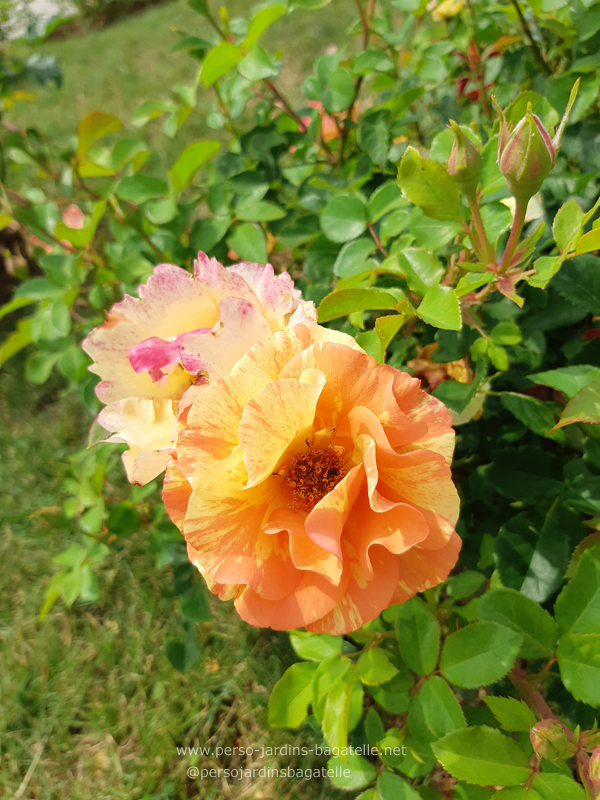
x=378, y=244
x=483, y=97
x=486, y=247
x=513, y=239
x=364, y=21
x=537, y=53
x=327, y=148
x=470, y=321
x=217, y=27
x=532, y=697
x=286, y=106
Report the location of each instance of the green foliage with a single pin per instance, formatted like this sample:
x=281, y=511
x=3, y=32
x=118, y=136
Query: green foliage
x=483, y=756
x=291, y=696
x=340, y=177
x=418, y=634
x=479, y=654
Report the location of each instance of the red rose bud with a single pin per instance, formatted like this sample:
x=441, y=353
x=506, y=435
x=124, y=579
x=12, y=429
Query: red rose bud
x=527, y=158
x=549, y=739
x=594, y=768
x=464, y=162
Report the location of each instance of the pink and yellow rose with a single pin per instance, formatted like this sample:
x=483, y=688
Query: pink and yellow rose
x=313, y=485
x=156, y=353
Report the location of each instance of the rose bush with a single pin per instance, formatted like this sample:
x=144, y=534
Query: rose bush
x=156, y=352
x=313, y=484
x=422, y=254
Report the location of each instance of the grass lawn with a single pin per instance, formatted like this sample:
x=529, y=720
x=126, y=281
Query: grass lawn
x=90, y=690
x=117, y=68
x=90, y=707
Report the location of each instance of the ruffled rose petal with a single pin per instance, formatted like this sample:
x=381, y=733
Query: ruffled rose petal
x=398, y=529
x=276, y=293
x=350, y=381
x=223, y=590
x=213, y=421
x=422, y=569
x=273, y=355
x=311, y=600
x=153, y=354
x=220, y=281
x=421, y=478
x=304, y=552
x=280, y=414
x=425, y=408
x=365, y=598
x=224, y=523
x=325, y=523
x=176, y=493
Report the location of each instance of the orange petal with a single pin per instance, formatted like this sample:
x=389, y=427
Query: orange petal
x=224, y=524
x=305, y=553
x=365, y=598
x=397, y=530
x=422, y=569
x=390, y=428
x=176, y=493
x=313, y=598
x=379, y=502
x=214, y=419
x=423, y=479
x=223, y=590
x=279, y=414
x=272, y=355
x=352, y=378
x=325, y=523
x=423, y=407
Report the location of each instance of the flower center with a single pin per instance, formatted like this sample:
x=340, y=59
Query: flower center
x=313, y=474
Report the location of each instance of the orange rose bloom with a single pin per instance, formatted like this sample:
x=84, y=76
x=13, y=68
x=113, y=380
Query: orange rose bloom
x=313, y=484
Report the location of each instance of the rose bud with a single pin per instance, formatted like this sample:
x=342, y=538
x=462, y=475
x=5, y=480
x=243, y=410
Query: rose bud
x=527, y=158
x=527, y=154
x=464, y=162
x=549, y=739
x=594, y=769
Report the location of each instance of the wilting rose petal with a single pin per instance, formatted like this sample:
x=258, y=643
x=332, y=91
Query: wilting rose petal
x=182, y=333
x=318, y=484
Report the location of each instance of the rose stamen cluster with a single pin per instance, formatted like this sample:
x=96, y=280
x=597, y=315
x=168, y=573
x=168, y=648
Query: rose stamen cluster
x=314, y=474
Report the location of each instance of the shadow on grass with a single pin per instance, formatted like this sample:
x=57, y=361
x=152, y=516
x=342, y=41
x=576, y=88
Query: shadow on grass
x=90, y=689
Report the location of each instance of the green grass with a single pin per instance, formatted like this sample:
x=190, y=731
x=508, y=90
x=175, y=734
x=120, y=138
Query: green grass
x=92, y=686
x=119, y=67
x=88, y=697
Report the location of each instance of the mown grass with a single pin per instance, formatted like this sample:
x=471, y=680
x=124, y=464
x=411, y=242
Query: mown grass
x=119, y=67
x=91, y=689
x=90, y=707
